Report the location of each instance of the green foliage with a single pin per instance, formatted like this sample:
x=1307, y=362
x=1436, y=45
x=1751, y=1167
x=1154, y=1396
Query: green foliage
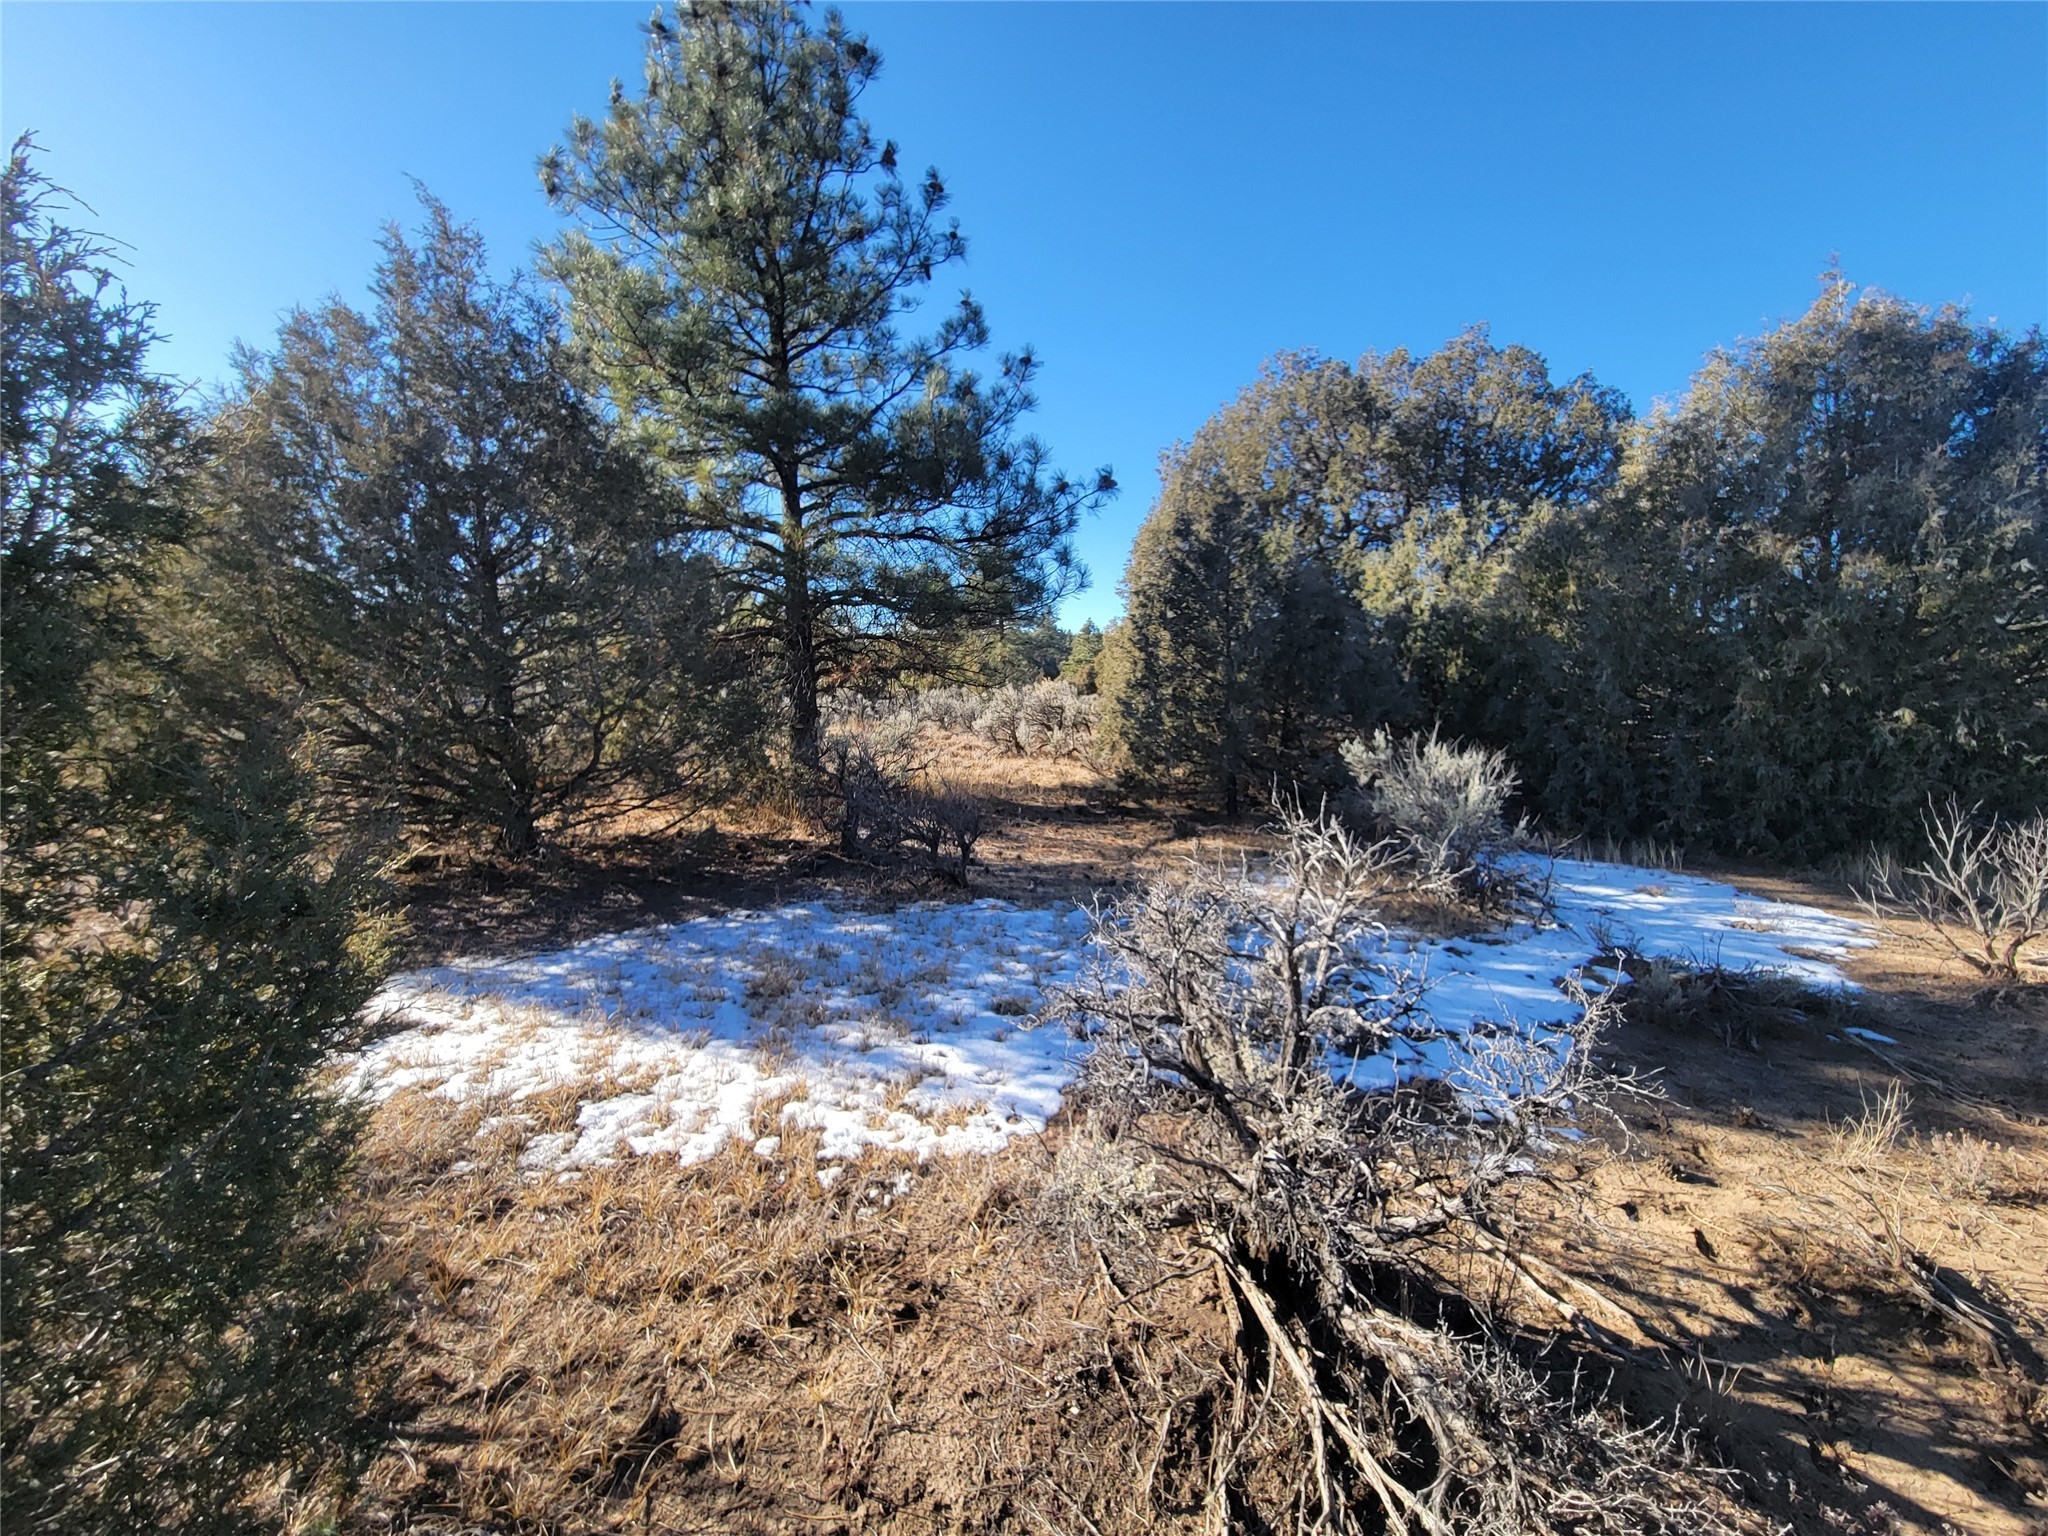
x=1462, y=453
x=178, y=959
x=747, y=253
x=1765, y=621
x=473, y=586
x=1008, y=655
x=1322, y=554
x=95, y=452
x=1242, y=656
x=1820, y=588
x=1084, y=650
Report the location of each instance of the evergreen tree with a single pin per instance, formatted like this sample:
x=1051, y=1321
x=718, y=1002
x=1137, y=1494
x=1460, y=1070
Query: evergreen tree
x=1008, y=654
x=477, y=589
x=1083, y=652
x=748, y=250
x=1385, y=500
x=1241, y=654
x=178, y=960
x=1470, y=449
x=1817, y=595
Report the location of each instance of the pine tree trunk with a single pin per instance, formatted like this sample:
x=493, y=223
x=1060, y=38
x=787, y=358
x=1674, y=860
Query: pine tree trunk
x=518, y=834
x=799, y=643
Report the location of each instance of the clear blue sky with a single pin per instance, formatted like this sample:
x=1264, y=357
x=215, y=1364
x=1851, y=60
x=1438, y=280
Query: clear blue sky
x=1156, y=196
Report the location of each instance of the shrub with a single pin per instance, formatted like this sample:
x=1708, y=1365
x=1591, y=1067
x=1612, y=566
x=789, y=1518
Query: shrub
x=864, y=779
x=1982, y=892
x=1327, y=1214
x=180, y=952
x=1048, y=718
x=1446, y=804
x=1054, y=718
x=947, y=823
x=880, y=810
x=950, y=709
x=996, y=724
x=1736, y=1005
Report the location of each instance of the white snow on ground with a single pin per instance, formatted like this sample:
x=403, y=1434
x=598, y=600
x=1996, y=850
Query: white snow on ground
x=1511, y=977
x=898, y=1029
x=907, y=1029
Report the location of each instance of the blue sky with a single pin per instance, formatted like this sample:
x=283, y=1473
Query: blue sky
x=1156, y=196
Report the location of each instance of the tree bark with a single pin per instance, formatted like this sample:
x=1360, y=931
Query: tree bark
x=799, y=642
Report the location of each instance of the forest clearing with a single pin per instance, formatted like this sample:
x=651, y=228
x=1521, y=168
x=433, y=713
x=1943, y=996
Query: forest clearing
x=808, y=1330
x=601, y=935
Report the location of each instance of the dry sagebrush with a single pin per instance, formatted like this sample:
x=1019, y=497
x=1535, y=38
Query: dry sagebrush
x=1218, y=1012
x=1980, y=894
x=1049, y=718
x=1445, y=807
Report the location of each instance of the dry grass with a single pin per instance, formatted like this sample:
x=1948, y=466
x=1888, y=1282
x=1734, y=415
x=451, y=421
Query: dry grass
x=735, y=1347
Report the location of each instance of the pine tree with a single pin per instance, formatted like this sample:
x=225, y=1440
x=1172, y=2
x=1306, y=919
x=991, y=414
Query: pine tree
x=747, y=253
x=1083, y=652
x=179, y=959
x=475, y=587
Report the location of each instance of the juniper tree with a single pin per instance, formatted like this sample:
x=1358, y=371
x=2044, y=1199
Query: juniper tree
x=747, y=253
x=179, y=957
x=1475, y=448
x=1241, y=654
x=1352, y=519
x=1816, y=593
x=475, y=587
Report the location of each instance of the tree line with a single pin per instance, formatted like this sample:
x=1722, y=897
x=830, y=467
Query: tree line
x=1771, y=619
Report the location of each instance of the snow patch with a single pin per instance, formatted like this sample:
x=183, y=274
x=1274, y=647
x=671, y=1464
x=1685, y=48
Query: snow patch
x=900, y=1029
x=873, y=1029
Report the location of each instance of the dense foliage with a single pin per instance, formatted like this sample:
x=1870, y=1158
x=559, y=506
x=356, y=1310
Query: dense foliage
x=747, y=252
x=178, y=960
x=1317, y=547
x=1819, y=592
x=1242, y=654
x=1768, y=620
x=475, y=589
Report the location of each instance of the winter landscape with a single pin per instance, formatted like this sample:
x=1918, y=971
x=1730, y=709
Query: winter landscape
x=607, y=928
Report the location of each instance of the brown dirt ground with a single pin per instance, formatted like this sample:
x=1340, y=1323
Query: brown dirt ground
x=734, y=1348
x=1750, y=1225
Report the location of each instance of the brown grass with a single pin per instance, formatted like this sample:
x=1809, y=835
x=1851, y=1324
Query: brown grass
x=733, y=1347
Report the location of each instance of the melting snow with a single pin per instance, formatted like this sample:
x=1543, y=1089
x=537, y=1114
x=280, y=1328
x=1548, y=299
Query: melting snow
x=908, y=1029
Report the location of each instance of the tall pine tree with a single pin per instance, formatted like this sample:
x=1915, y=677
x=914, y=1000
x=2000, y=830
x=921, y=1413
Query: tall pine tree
x=748, y=251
